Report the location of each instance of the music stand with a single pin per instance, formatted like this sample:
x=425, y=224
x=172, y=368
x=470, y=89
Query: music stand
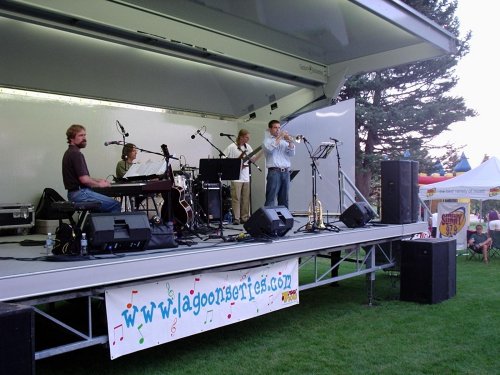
x=216, y=170
x=323, y=150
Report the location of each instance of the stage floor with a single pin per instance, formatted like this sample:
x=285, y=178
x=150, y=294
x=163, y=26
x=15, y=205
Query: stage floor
x=26, y=274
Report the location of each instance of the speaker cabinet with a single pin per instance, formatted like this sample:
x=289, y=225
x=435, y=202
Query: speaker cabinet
x=428, y=270
x=126, y=231
x=399, y=191
x=210, y=201
x=357, y=215
x=269, y=221
x=415, y=204
x=17, y=341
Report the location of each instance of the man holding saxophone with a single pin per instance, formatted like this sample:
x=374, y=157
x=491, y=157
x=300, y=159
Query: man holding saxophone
x=278, y=147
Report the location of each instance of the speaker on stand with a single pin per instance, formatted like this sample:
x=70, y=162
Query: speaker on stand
x=399, y=191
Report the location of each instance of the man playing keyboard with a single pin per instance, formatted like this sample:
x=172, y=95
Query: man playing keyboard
x=76, y=176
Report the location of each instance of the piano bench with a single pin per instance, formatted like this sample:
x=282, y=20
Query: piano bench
x=69, y=208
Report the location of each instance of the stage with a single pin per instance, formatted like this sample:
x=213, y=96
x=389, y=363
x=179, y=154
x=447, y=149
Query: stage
x=28, y=277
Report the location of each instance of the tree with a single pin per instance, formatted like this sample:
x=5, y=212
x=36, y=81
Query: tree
x=405, y=107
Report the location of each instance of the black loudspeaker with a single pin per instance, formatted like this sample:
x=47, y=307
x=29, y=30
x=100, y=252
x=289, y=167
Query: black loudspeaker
x=399, y=180
x=17, y=341
x=210, y=201
x=428, y=270
x=357, y=215
x=121, y=232
x=415, y=204
x=269, y=221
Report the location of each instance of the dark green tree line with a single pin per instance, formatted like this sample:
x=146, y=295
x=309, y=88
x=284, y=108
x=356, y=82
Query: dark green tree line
x=406, y=107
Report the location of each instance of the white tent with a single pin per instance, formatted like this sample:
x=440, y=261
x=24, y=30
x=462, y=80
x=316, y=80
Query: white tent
x=482, y=183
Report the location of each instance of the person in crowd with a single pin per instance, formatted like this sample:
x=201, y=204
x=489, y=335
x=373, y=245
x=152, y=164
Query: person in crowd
x=480, y=242
x=434, y=224
x=493, y=221
x=129, y=153
x=278, y=147
x=240, y=189
x=76, y=176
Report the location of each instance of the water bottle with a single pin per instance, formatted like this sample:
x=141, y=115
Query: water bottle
x=83, y=244
x=49, y=244
x=230, y=216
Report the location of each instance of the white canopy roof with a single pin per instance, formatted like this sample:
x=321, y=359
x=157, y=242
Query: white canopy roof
x=227, y=59
x=482, y=183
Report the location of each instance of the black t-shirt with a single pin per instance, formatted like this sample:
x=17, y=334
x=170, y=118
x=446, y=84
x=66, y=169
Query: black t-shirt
x=73, y=166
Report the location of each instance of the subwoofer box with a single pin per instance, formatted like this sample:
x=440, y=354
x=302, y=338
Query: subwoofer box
x=121, y=232
x=17, y=341
x=428, y=270
x=357, y=215
x=269, y=221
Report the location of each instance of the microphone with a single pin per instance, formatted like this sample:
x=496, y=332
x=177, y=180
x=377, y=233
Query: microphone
x=226, y=135
x=112, y=143
x=194, y=135
x=122, y=128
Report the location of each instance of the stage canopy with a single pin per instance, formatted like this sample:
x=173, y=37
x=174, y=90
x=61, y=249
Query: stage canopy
x=237, y=59
x=482, y=183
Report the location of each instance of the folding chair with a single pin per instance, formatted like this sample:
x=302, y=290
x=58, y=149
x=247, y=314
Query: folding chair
x=472, y=252
x=495, y=246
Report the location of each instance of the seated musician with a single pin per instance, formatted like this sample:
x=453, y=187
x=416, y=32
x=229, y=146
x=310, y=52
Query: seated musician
x=76, y=176
x=129, y=153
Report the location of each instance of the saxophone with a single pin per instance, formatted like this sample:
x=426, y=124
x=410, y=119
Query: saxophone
x=318, y=212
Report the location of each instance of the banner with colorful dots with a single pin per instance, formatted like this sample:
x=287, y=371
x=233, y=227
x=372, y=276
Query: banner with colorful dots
x=150, y=314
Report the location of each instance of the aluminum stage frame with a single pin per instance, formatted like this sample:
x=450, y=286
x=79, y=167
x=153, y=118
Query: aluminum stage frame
x=27, y=279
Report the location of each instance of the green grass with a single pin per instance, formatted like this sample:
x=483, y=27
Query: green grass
x=333, y=331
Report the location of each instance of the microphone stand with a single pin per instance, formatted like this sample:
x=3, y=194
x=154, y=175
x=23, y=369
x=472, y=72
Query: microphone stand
x=221, y=154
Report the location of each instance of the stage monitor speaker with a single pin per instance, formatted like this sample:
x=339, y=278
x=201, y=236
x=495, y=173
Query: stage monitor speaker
x=399, y=180
x=269, y=221
x=120, y=232
x=357, y=215
x=17, y=342
x=428, y=270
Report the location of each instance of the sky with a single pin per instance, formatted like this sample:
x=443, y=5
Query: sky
x=478, y=83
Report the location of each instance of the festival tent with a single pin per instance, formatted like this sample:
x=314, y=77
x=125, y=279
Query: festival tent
x=481, y=183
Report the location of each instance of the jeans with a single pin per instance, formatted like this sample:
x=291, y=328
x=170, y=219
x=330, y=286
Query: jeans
x=108, y=204
x=277, y=184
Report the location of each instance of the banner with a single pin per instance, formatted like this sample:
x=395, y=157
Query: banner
x=453, y=222
x=142, y=316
